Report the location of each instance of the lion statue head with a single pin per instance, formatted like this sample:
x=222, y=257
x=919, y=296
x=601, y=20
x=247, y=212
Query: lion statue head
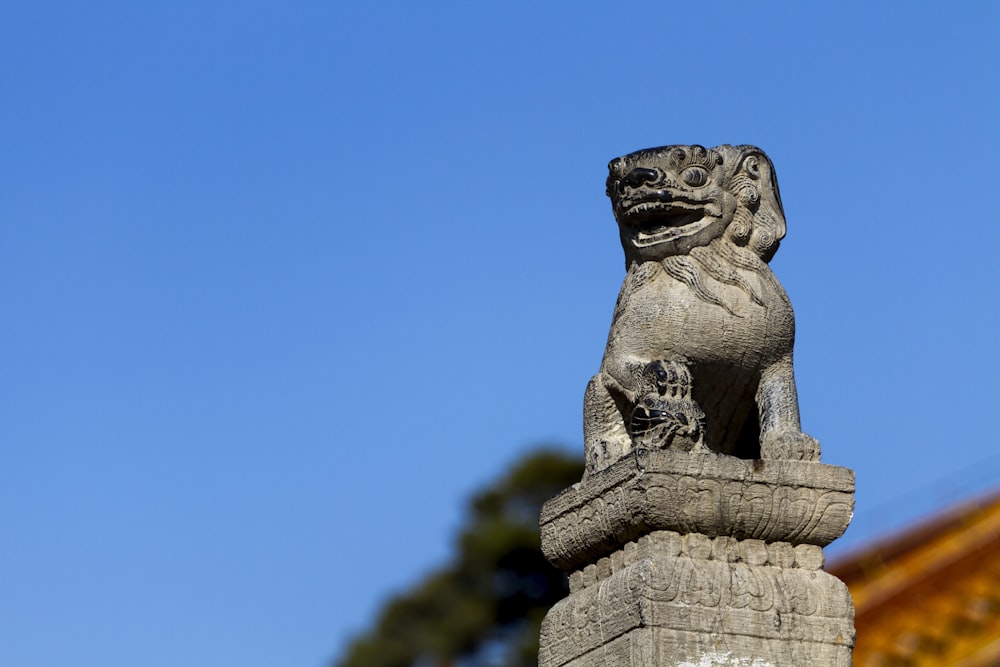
x=670, y=200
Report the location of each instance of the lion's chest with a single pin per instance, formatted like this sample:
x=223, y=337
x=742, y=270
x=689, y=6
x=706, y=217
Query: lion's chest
x=667, y=319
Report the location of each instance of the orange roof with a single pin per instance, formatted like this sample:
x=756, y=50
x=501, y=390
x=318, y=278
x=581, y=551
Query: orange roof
x=930, y=595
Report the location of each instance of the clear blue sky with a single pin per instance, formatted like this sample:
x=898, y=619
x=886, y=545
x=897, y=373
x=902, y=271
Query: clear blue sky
x=282, y=283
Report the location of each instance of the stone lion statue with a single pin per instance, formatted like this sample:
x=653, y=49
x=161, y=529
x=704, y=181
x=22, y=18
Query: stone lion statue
x=699, y=356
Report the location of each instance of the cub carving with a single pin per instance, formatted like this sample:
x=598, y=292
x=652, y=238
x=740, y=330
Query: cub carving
x=699, y=356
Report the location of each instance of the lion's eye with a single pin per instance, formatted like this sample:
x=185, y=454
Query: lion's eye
x=695, y=176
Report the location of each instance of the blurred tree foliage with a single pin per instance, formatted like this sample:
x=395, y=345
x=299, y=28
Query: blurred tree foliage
x=484, y=608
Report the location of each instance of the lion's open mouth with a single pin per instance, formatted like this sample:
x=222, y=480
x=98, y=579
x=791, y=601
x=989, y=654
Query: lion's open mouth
x=653, y=222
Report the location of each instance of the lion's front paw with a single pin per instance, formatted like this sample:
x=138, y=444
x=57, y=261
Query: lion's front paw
x=789, y=445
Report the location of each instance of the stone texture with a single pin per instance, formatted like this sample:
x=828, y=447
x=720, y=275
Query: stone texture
x=695, y=538
x=700, y=346
x=682, y=608
x=794, y=502
x=704, y=559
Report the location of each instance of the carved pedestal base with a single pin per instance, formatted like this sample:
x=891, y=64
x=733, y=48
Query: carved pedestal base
x=699, y=560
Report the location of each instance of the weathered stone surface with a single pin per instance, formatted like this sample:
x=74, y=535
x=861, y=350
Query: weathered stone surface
x=674, y=608
x=695, y=538
x=681, y=558
x=797, y=502
x=699, y=355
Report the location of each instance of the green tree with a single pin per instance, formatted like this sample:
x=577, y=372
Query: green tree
x=485, y=607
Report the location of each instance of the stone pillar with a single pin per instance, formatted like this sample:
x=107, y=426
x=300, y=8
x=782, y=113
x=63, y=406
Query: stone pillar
x=696, y=536
x=681, y=559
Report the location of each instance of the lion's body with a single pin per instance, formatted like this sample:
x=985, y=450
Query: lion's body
x=662, y=315
x=661, y=318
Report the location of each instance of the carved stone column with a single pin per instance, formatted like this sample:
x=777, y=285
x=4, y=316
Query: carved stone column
x=699, y=560
x=696, y=536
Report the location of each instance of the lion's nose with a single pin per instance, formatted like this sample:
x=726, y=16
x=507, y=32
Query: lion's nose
x=639, y=175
